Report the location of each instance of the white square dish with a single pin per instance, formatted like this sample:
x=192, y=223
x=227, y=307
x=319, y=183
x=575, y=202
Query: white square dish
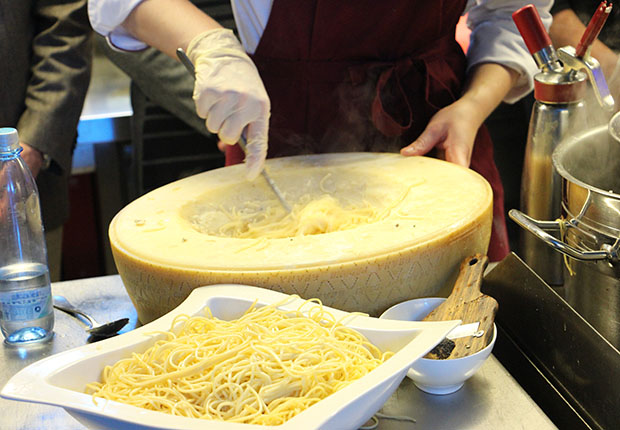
x=60, y=380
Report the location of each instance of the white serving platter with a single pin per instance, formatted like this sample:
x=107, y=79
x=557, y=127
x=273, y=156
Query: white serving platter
x=60, y=380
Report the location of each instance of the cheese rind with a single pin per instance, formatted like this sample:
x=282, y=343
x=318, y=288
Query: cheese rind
x=443, y=215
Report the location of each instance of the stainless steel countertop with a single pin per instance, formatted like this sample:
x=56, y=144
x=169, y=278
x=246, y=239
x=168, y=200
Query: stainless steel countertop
x=491, y=399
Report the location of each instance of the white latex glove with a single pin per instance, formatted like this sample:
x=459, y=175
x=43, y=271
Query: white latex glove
x=230, y=94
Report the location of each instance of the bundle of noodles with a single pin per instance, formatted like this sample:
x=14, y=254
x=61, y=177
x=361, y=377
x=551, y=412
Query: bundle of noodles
x=263, y=368
x=323, y=215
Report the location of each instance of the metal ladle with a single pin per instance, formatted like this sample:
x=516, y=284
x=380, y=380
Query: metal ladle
x=94, y=328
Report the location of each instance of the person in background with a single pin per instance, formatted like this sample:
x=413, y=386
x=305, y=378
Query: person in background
x=355, y=75
x=570, y=18
x=44, y=77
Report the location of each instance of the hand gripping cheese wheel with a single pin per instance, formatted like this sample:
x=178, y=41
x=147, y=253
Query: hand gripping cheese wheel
x=367, y=231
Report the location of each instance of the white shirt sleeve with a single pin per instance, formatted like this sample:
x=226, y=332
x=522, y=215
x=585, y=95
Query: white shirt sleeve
x=251, y=18
x=495, y=39
x=106, y=17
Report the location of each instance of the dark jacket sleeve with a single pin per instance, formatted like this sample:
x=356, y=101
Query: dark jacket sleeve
x=60, y=68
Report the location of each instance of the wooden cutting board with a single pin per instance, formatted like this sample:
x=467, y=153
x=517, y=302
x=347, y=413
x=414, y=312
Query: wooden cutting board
x=468, y=304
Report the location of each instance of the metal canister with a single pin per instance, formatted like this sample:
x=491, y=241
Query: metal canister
x=559, y=112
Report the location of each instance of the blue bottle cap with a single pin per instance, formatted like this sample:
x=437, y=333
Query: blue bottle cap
x=9, y=140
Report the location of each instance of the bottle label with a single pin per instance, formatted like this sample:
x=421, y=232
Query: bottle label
x=25, y=305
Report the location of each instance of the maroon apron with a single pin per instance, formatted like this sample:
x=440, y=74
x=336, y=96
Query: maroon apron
x=365, y=75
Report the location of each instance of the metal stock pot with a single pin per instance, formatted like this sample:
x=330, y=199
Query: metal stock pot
x=589, y=164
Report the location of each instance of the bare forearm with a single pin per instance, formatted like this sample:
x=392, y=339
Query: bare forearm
x=486, y=87
x=168, y=24
x=452, y=130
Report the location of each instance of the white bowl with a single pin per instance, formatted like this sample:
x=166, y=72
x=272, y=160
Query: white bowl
x=60, y=380
x=438, y=376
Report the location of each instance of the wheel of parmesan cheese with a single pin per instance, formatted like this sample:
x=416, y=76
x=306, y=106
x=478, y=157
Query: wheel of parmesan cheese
x=429, y=215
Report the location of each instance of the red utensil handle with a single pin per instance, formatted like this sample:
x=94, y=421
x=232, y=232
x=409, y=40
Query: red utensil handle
x=594, y=28
x=531, y=28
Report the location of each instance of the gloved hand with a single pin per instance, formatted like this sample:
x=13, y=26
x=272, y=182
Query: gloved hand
x=230, y=94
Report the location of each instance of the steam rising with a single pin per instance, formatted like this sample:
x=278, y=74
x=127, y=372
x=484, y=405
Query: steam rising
x=351, y=131
x=594, y=156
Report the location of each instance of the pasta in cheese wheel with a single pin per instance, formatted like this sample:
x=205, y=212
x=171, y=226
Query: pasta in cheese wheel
x=367, y=231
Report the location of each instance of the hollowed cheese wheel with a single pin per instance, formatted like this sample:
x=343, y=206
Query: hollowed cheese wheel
x=439, y=213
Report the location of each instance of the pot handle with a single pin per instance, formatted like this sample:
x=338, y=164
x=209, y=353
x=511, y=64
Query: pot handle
x=537, y=228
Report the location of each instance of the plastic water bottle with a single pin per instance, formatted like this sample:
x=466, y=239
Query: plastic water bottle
x=26, y=307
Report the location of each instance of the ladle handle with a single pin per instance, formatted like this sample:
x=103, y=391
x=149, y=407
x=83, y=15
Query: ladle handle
x=90, y=322
x=62, y=304
x=537, y=228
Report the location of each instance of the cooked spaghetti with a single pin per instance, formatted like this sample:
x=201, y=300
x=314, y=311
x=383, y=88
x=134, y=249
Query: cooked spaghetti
x=310, y=215
x=263, y=368
x=323, y=215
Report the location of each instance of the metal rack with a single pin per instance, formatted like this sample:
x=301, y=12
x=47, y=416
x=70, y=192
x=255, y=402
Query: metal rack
x=163, y=148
